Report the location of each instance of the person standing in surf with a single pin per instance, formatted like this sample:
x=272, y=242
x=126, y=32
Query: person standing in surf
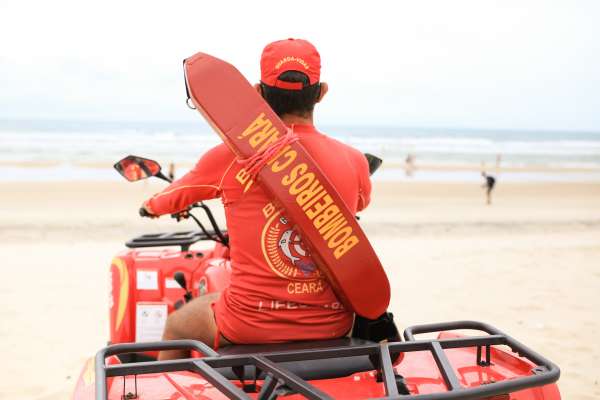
x=276, y=293
x=489, y=184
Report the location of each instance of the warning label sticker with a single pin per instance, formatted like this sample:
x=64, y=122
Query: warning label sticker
x=147, y=279
x=150, y=322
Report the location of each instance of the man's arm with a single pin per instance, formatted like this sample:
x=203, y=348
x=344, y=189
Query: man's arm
x=203, y=182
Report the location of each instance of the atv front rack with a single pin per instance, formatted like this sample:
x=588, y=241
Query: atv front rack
x=544, y=372
x=182, y=239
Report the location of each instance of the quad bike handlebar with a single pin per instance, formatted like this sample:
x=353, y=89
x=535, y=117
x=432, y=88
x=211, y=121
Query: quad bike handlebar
x=215, y=235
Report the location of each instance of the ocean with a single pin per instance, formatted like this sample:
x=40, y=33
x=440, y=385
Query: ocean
x=69, y=144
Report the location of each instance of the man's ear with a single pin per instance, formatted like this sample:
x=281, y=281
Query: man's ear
x=324, y=89
x=258, y=88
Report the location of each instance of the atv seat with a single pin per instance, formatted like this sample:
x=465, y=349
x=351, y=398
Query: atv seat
x=308, y=369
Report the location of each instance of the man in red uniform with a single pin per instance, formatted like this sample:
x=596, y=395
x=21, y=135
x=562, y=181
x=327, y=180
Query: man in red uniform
x=276, y=293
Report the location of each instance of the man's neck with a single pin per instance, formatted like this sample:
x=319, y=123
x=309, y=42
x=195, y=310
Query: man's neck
x=291, y=119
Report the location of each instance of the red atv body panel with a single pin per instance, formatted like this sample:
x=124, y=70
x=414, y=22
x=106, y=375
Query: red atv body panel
x=142, y=280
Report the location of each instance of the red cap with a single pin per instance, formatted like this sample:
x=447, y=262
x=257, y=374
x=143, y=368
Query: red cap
x=289, y=55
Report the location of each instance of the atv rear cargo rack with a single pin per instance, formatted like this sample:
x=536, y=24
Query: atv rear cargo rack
x=182, y=239
x=545, y=372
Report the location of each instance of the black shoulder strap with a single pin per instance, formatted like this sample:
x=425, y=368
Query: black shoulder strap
x=376, y=330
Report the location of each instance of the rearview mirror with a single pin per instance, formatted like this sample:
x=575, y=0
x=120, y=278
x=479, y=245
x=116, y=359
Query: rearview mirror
x=134, y=168
x=374, y=163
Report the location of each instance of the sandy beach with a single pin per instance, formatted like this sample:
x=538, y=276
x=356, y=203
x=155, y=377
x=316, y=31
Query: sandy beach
x=529, y=264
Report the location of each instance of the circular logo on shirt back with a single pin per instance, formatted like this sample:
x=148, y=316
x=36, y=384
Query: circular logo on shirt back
x=284, y=251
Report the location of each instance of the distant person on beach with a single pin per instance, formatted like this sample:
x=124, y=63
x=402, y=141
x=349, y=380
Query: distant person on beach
x=172, y=171
x=410, y=165
x=490, y=181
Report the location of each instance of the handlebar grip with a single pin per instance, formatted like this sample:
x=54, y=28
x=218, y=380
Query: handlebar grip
x=144, y=213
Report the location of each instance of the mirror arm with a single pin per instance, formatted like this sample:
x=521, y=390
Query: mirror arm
x=374, y=163
x=160, y=175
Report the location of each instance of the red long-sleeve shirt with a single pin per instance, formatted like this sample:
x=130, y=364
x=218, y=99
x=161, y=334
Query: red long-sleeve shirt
x=276, y=292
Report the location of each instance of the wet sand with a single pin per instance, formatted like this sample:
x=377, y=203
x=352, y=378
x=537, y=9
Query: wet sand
x=387, y=165
x=529, y=264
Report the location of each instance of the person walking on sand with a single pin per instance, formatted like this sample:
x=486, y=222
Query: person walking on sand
x=172, y=171
x=410, y=165
x=489, y=184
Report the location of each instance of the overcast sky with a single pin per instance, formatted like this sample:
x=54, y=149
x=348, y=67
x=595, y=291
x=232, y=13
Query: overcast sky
x=482, y=64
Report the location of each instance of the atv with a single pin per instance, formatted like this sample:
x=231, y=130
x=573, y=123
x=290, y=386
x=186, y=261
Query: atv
x=158, y=273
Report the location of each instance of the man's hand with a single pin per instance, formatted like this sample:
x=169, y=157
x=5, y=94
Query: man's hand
x=185, y=214
x=145, y=211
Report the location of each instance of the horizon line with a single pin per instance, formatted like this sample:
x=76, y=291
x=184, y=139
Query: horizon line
x=336, y=124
